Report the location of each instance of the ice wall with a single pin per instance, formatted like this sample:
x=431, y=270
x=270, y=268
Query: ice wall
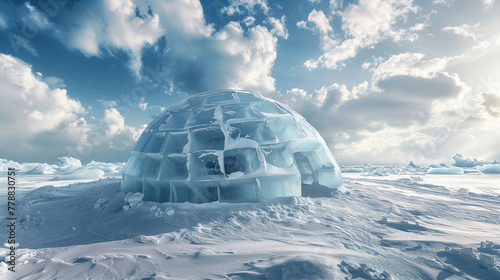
x=229, y=146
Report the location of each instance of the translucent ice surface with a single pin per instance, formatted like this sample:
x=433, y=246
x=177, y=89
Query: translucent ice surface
x=228, y=146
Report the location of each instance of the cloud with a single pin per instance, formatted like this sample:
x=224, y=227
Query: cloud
x=425, y=118
x=196, y=57
x=398, y=102
x=44, y=122
x=488, y=4
x=386, y=119
x=492, y=104
x=192, y=56
x=279, y=28
x=107, y=103
x=465, y=30
x=117, y=134
x=444, y=2
x=245, y=6
x=160, y=108
x=318, y=21
x=410, y=64
x=35, y=19
x=33, y=108
x=200, y=58
x=54, y=82
x=143, y=106
x=418, y=27
x=249, y=21
x=364, y=25
x=326, y=98
x=41, y=107
x=230, y=58
x=372, y=127
x=99, y=27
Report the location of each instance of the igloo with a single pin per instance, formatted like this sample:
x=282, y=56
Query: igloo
x=228, y=146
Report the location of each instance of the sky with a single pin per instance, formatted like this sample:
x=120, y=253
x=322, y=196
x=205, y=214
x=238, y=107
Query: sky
x=383, y=81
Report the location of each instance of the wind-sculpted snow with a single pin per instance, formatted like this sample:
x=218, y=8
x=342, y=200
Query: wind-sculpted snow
x=368, y=229
x=229, y=146
x=377, y=170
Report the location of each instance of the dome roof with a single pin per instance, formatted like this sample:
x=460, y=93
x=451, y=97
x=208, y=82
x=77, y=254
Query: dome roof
x=228, y=146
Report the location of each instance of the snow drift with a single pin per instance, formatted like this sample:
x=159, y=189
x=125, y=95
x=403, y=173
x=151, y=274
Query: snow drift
x=369, y=229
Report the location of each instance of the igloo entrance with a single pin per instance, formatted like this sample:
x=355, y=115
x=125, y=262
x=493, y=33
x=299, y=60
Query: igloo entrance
x=228, y=146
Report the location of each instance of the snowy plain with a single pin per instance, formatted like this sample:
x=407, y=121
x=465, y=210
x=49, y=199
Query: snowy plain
x=386, y=222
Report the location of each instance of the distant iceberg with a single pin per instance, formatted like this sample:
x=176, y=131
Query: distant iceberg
x=42, y=168
x=490, y=169
x=446, y=170
x=460, y=161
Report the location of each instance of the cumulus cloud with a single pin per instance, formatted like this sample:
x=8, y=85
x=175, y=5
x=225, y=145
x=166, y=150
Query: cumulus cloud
x=411, y=109
x=31, y=20
x=335, y=5
x=200, y=58
x=231, y=58
x=43, y=121
x=197, y=57
x=327, y=98
x=400, y=101
x=364, y=25
x=318, y=21
x=38, y=106
x=117, y=134
x=35, y=19
x=99, y=27
x=279, y=28
x=375, y=125
x=422, y=118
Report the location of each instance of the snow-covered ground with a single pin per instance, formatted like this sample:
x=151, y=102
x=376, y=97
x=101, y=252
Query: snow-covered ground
x=409, y=225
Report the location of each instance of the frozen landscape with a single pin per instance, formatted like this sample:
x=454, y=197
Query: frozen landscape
x=231, y=185
x=385, y=222
x=250, y=139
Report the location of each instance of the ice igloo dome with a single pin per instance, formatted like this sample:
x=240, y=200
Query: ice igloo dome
x=228, y=146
